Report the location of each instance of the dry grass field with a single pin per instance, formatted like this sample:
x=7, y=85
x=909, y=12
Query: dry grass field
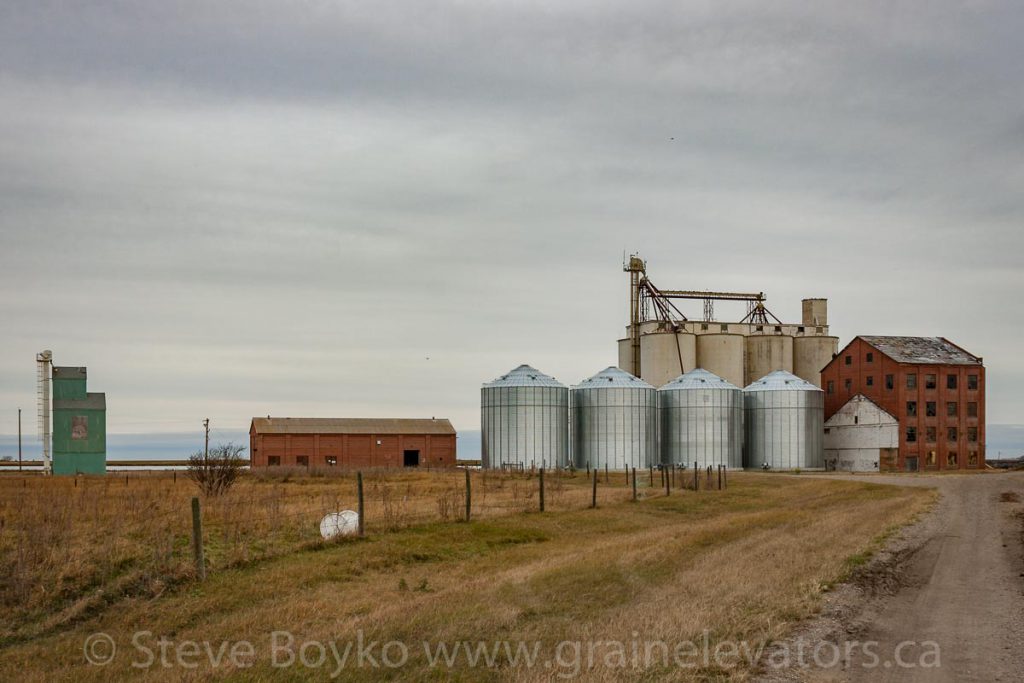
x=104, y=556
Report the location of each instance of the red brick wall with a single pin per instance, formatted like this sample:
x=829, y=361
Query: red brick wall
x=352, y=450
x=895, y=401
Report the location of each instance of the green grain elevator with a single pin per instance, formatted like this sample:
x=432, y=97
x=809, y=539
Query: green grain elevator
x=79, y=425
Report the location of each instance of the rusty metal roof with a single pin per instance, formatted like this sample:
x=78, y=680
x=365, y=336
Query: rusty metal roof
x=922, y=350
x=350, y=425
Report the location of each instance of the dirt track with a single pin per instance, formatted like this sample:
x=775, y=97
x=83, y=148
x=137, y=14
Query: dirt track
x=955, y=579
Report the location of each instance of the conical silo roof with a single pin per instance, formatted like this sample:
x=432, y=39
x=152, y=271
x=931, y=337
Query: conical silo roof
x=698, y=378
x=780, y=380
x=613, y=378
x=525, y=376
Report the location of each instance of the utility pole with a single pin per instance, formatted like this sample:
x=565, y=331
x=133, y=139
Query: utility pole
x=19, y=439
x=206, y=445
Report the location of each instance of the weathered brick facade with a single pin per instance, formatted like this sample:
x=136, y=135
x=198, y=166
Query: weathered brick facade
x=351, y=443
x=940, y=403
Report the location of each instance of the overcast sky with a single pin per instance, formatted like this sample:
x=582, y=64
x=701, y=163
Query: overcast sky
x=228, y=209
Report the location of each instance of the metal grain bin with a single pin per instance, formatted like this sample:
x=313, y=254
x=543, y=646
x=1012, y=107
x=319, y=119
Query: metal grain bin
x=615, y=421
x=524, y=420
x=785, y=423
x=701, y=421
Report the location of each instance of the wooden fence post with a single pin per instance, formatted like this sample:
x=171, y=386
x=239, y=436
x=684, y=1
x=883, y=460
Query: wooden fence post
x=593, y=495
x=634, y=483
x=362, y=507
x=650, y=471
x=542, y=489
x=696, y=481
x=668, y=482
x=197, y=540
x=469, y=496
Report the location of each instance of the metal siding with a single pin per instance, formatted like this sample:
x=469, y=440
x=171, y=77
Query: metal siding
x=615, y=427
x=785, y=427
x=701, y=422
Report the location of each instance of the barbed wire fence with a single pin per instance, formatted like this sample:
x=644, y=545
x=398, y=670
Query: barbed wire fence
x=137, y=532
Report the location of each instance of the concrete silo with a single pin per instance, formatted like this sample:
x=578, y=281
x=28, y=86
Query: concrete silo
x=722, y=355
x=767, y=353
x=785, y=423
x=666, y=354
x=811, y=354
x=615, y=422
x=701, y=418
x=524, y=420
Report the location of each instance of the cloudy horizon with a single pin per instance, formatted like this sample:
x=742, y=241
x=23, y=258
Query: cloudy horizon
x=330, y=209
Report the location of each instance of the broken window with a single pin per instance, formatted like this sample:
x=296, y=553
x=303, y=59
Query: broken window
x=302, y=460
x=870, y=381
x=331, y=460
x=849, y=385
x=972, y=459
x=972, y=409
x=951, y=381
x=831, y=386
x=930, y=459
x=274, y=460
x=778, y=328
x=951, y=459
x=929, y=381
x=800, y=329
x=890, y=382
x=929, y=409
x=972, y=434
x=759, y=328
x=725, y=328
x=930, y=434
x=848, y=360
x=972, y=382
x=951, y=434
x=911, y=408
x=819, y=330
x=871, y=357
x=911, y=434
x=912, y=381
x=951, y=408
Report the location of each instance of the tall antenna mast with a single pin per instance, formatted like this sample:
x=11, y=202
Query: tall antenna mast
x=44, y=360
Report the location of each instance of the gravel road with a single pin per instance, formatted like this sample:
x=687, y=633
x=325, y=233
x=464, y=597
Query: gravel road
x=949, y=588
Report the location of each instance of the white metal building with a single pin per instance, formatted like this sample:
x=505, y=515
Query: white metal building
x=859, y=435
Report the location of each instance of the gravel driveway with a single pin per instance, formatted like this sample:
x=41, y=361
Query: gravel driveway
x=947, y=594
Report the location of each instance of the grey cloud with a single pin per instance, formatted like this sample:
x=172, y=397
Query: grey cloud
x=262, y=206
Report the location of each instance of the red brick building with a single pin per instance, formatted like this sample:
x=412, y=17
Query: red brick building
x=934, y=388
x=350, y=442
